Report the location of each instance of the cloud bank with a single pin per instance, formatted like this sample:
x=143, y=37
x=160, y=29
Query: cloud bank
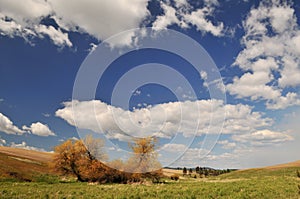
x=164, y=120
x=100, y=19
x=271, y=48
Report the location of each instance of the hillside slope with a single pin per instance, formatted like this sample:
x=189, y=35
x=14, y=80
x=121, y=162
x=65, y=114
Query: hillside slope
x=287, y=170
x=24, y=165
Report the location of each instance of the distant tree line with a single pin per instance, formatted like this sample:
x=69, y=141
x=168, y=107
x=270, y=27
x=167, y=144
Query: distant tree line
x=81, y=158
x=204, y=171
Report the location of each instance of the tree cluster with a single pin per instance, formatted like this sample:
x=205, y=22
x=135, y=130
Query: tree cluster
x=84, y=159
x=205, y=171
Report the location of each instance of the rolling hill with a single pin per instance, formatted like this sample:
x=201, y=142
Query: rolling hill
x=23, y=165
x=26, y=165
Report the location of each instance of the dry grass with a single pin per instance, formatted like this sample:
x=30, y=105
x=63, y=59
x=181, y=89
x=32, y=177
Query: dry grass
x=170, y=172
x=24, y=165
x=27, y=154
x=281, y=166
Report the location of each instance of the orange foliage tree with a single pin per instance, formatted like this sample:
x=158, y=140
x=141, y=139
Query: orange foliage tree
x=76, y=157
x=83, y=159
x=144, y=161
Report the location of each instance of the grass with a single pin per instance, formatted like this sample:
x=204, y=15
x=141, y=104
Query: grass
x=17, y=166
x=266, y=187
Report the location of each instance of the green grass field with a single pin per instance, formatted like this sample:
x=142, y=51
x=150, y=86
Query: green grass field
x=270, y=182
x=264, y=187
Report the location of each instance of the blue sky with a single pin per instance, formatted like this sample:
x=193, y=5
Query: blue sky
x=255, y=46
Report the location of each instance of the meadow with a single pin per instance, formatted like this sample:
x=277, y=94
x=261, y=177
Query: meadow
x=270, y=182
x=266, y=183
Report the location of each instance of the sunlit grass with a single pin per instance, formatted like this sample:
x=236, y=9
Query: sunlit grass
x=264, y=184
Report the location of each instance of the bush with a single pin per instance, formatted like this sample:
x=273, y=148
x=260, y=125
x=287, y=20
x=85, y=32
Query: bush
x=175, y=177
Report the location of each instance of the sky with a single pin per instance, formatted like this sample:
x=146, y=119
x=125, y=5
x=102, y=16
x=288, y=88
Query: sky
x=217, y=82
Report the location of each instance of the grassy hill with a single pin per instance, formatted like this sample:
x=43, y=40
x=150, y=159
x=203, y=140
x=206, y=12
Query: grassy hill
x=27, y=164
x=23, y=165
x=281, y=170
x=279, y=181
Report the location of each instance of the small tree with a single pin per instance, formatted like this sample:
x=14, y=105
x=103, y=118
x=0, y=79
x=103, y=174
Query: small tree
x=144, y=162
x=184, y=171
x=206, y=172
x=190, y=171
x=197, y=169
x=94, y=148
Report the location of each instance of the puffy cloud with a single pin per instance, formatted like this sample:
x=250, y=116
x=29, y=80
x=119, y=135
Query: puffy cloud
x=57, y=36
x=97, y=18
x=270, y=47
x=181, y=3
x=163, y=120
x=263, y=137
x=226, y=144
x=199, y=19
x=169, y=18
x=23, y=145
x=24, y=20
x=195, y=157
x=101, y=19
x=39, y=129
x=2, y=142
x=19, y=19
x=184, y=15
x=174, y=148
x=7, y=126
x=28, y=12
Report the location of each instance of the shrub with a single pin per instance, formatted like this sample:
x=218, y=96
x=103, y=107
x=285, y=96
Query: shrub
x=175, y=177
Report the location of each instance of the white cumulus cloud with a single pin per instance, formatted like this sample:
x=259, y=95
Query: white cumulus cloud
x=100, y=19
x=39, y=129
x=56, y=35
x=271, y=47
x=23, y=145
x=163, y=120
x=7, y=126
x=226, y=144
x=2, y=142
x=174, y=148
x=263, y=138
x=183, y=15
